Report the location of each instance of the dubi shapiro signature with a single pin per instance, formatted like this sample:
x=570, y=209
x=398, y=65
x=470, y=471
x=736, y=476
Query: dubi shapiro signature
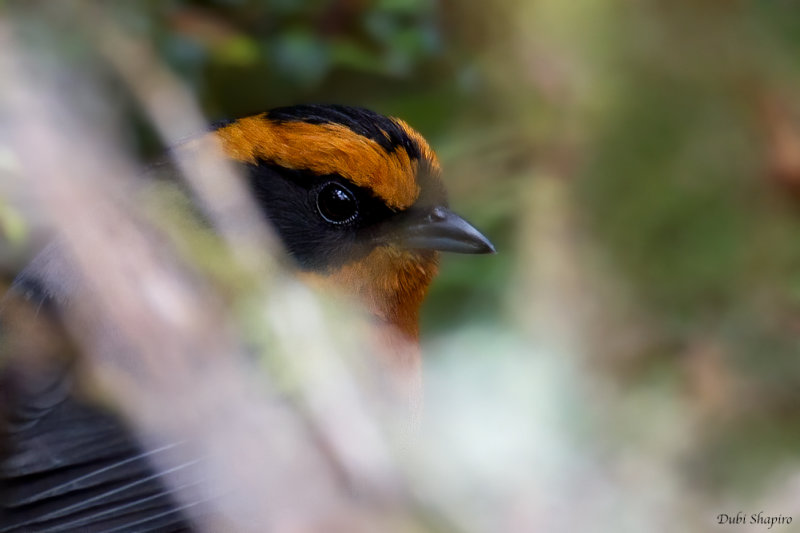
x=761, y=518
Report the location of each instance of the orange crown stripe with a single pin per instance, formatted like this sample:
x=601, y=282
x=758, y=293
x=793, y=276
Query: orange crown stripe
x=330, y=149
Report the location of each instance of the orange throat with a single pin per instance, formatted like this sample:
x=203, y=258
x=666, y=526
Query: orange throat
x=391, y=284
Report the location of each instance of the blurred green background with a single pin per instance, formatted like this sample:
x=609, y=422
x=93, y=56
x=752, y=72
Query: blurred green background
x=637, y=164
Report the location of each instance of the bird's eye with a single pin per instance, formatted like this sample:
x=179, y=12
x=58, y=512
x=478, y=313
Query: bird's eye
x=336, y=204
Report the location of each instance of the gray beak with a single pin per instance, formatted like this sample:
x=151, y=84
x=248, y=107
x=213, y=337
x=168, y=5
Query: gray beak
x=441, y=229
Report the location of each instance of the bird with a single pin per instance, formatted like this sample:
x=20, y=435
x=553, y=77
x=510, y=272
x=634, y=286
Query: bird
x=358, y=202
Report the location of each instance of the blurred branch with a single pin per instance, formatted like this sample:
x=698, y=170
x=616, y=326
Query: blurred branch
x=160, y=343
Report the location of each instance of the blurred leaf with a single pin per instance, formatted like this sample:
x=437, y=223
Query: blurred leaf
x=186, y=55
x=349, y=53
x=302, y=56
x=12, y=225
x=240, y=50
x=292, y=6
x=406, y=6
x=414, y=42
x=381, y=26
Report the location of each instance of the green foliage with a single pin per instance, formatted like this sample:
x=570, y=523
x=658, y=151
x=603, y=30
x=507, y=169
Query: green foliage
x=303, y=44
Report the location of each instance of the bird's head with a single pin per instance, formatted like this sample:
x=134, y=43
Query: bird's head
x=357, y=200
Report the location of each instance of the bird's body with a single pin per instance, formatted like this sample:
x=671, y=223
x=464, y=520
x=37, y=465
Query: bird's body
x=358, y=203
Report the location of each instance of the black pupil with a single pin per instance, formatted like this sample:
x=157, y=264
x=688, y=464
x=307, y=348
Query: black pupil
x=336, y=204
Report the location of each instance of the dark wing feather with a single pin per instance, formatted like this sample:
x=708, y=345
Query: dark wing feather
x=67, y=465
